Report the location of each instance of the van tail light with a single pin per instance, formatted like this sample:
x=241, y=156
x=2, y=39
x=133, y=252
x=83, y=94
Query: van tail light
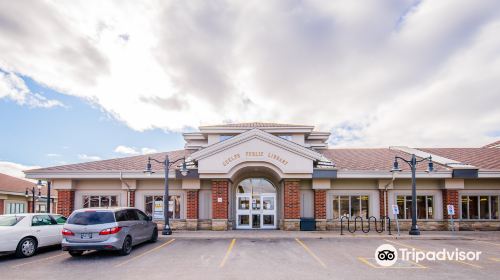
x=109, y=231
x=67, y=232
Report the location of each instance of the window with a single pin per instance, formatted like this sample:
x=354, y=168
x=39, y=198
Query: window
x=42, y=220
x=60, y=220
x=154, y=206
x=425, y=206
x=15, y=208
x=480, y=207
x=142, y=216
x=91, y=217
x=350, y=206
x=99, y=201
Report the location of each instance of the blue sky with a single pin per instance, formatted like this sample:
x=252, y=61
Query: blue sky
x=58, y=135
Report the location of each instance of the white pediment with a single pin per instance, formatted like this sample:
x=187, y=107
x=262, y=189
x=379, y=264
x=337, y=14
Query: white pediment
x=253, y=147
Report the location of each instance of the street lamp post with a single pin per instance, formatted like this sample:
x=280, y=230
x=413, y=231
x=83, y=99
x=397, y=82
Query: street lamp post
x=166, y=166
x=33, y=192
x=39, y=185
x=413, y=165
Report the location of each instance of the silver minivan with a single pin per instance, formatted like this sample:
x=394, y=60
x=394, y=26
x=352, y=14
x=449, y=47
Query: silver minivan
x=107, y=229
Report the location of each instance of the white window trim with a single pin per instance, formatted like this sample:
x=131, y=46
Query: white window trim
x=426, y=206
x=437, y=200
x=6, y=202
x=373, y=201
x=118, y=198
x=161, y=193
x=489, y=194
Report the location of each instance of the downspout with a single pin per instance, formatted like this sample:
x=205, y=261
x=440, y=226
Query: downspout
x=128, y=189
x=385, y=196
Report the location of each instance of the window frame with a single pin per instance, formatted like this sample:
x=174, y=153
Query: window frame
x=478, y=197
x=336, y=197
x=100, y=196
x=408, y=197
x=174, y=212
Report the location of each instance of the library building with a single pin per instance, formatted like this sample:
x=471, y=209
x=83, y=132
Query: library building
x=275, y=176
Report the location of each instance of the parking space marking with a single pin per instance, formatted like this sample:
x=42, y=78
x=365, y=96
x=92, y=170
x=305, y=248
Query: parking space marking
x=495, y=259
x=229, y=249
x=39, y=260
x=145, y=253
x=417, y=249
x=311, y=252
x=365, y=261
x=492, y=243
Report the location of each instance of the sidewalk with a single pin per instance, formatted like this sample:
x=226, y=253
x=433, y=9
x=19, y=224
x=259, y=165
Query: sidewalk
x=280, y=234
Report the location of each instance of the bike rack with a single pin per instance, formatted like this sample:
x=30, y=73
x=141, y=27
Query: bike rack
x=382, y=221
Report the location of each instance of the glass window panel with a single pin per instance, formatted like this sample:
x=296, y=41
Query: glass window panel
x=484, y=211
x=336, y=214
x=344, y=206
x=408, y=209
x=401, y=206
x=113, y=201
x=494, y=207
x=94, y=201
x=86, y=201
x=421, y=207
x=365, y=206
x=430, y=207
x=148, y=205
x=465, y=209
x=268, y=220
x=355, y=206
x=243, y=220
x=256, y=203
x=244, y=203
x=268, y=203
x=104, y=201
x=473, y=204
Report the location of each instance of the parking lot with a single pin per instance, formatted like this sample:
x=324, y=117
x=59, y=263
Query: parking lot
x=258, y=258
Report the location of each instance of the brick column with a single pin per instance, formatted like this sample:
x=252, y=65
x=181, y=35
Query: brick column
x=291, y=199
x=2, y=206
x=320, y=209
x=450, y=197
x=65, y=202
x=31, y=209
x=131, y=198
x=220, y=203
x=382, y=202
x=192, y=209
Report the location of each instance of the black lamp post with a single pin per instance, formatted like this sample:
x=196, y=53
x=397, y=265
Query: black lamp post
x=166, y=165
x=33, y=193
x=40, y=185
x=413, y=165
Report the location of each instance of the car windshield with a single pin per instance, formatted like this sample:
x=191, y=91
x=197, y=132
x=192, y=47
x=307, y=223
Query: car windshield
x=8, y=221
x=91, y=218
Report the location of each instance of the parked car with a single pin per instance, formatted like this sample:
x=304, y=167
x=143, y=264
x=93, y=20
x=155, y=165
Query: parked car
x=23, y=234
x=116, y=229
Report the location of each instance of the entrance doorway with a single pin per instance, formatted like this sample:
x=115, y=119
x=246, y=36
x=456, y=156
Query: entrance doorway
x=255, y=204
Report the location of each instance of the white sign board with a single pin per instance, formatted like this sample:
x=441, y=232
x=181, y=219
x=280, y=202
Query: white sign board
x=158, y=210
x=451, y=209
x=395, y=210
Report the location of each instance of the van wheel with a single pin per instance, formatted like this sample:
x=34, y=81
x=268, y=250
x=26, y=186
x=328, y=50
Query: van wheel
x=26, y=247
x=154, y=236
x=127, y=246
x=76, y=253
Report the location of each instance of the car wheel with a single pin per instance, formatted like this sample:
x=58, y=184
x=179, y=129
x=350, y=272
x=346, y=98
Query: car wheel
x=75, y=253
x=127, y=246
x=154, y=236
x=26, y=247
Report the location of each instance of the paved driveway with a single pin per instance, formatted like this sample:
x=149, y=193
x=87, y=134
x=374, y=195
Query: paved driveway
x=263, y=258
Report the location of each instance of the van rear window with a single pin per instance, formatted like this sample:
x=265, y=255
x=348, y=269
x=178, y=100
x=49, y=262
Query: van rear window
x=91, y=218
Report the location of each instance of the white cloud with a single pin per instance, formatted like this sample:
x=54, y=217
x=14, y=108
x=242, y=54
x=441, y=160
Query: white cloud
x=53, y=155
x=14, y=88
x=85, y=157
x=373, y=72
x=15, y=169
x=121, y=149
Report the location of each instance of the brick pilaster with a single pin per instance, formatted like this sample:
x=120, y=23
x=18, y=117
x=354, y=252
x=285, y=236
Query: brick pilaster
x=382, y=202
x=220, y=202
x=192, y=204
x=292, y=199
x=2, y=206
x=31, y=209
x=131, y=198
x=450, y=197
x=65, y=202
x=320, y=204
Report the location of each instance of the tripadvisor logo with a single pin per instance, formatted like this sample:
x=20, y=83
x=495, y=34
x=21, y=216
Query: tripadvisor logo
x=387, y=255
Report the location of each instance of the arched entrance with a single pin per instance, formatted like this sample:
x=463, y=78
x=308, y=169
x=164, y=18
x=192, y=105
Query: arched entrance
x=256, y=204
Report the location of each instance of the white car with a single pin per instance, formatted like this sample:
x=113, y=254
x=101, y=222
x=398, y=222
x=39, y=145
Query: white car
x=25, y=233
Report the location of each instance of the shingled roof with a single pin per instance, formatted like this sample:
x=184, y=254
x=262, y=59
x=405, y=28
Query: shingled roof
x=483, y=158
x=15, y=185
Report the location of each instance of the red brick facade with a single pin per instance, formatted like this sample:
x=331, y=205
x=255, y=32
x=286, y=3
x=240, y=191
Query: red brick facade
x=292, y=199
x=381, y=198
x=450, y=197
x=220, y=190
x=2, y=206
x=131, y=198
x=65, y=202
x=320, y=204
x=192, y=204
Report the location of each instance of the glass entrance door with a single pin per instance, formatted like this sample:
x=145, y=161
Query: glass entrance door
x=256, y=211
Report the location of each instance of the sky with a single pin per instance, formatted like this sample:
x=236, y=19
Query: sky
x=89, y=80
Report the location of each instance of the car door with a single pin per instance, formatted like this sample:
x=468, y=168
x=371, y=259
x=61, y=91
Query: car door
x=58, y=223
x=133, y=224
x=42, y=228
x=144, y=226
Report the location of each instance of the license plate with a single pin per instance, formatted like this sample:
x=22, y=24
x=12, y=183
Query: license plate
x=86, y=235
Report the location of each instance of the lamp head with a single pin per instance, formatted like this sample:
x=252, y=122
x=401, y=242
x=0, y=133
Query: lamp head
x=395, y=167
x=148, y=170
x=39, y=184
x=26, y=193
x=184, y=170
x=430, y=168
